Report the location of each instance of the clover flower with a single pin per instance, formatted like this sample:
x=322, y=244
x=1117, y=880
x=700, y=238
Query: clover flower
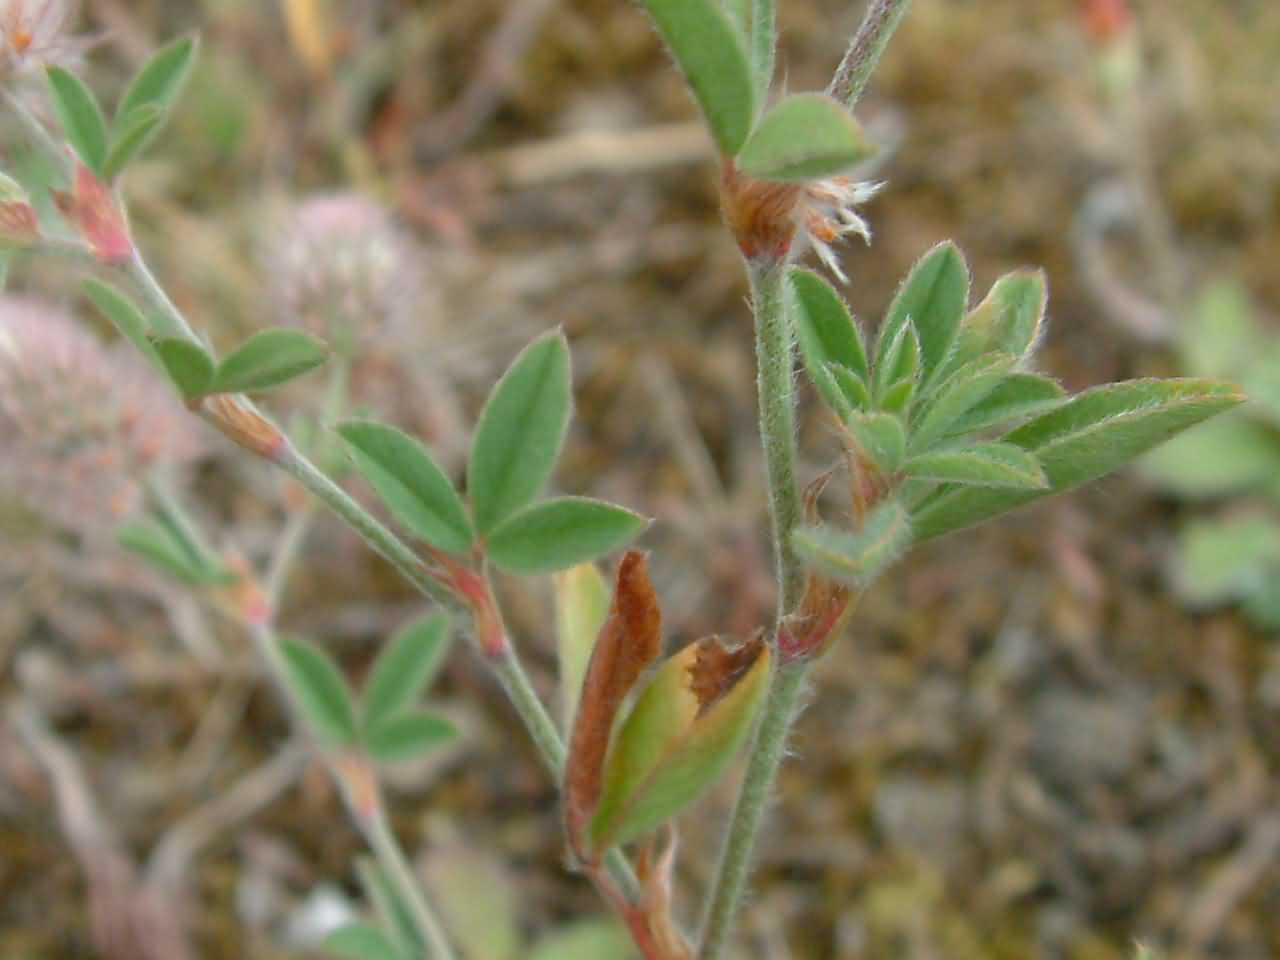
x=828, y=212
x=36, y=33
x=341, y=268
x=80, y=423
x=773, y=221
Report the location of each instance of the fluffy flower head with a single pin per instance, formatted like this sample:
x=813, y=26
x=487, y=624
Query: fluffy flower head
x=828, y=212
x=37, y=33
x=772, y=221
x=79, y=423
x=342, y=268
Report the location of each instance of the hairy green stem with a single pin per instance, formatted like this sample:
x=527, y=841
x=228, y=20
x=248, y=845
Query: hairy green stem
x=866, y=48
x=776, y=386
x=394, y=550
x=395, y=866
x=294, y=535
x=767, y=751
x=34, y=126
x=774, y=357
x=138, y=269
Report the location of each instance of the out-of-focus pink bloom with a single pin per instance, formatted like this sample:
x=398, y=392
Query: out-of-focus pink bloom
x=80, y=423
x=341, y=267
x=37, y=33
x=1106, y=20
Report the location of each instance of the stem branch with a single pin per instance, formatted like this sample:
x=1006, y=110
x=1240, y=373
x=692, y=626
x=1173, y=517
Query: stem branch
x=866, y=48
x=385, y=846
x=776, y=389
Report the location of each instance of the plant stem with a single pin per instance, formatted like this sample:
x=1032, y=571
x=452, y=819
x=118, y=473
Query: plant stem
x=398, y=872
x=774, y=358
x=542, y=729
x=141, y=273
x=767, y=751
x=294, y=535
x=866, y=48
x=34, y=126
x=394, y=550
x=775, y=385
x=777, y=433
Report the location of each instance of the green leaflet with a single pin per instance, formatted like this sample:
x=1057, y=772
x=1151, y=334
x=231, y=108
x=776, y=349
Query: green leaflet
x=897, y=360
x=405, y=667
x=521, y=430
x=852, y=393
x=1086, y=437
x=585, y=940
x=956, y=396
x=188, y=365
x=411, y=484
x=983, y=465
x=363, y=941
x=81, y=117
x=317, y=686
x=1221, y=561
x=1017, y=397
x=131, y=139
x=807, y=136
x=857, y=558
x=711, y=52
x=124, y=315
x=827, y=334
x=880, y=437
x=159, y=83
x=560, y=533
x=407, y=735
x=1233, y=455
x=932, y=297
x=267, y=359
x=1010, y=319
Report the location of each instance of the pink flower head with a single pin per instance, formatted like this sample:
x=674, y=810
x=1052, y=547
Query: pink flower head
x=36, y=34
x=342, y=268
x=80, y=423
x=1106, y=20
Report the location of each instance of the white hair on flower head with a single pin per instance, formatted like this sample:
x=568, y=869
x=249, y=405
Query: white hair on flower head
x=37, y=33
x=829, y=214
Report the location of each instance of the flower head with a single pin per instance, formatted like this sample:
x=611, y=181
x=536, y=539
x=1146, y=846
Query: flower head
x=772, y=221
x=36, y=33
x=1106, y=20
x=342, y=268
x=79, y=423
x=829, y=213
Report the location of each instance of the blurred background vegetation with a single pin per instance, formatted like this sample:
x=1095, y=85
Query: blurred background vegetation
x=1047, y=738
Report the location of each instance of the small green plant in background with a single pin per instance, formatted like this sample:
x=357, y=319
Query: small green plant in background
x=1229, y=551
x=943, y=423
